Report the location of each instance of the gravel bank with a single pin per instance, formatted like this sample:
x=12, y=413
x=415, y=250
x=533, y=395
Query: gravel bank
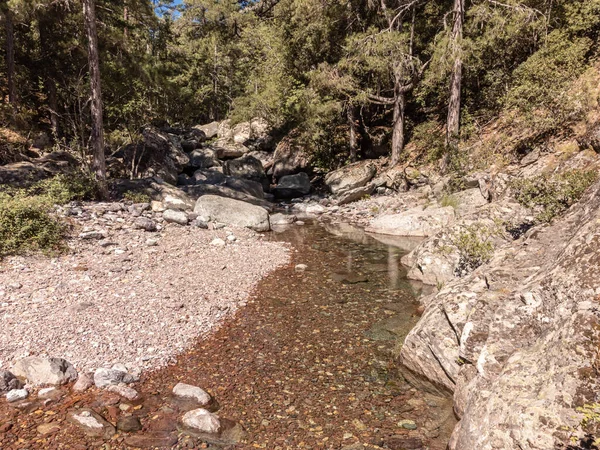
x=129, y=301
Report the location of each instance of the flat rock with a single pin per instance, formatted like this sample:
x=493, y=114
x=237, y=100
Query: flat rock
x=106, y=377
x=123, y=391
x=129, y=424
x=175, y=216
x=202, y=421
x=16, y=394
x=48, y=428
x=413, y=222
x=350, y=177
x=91, y=423
x=152, y=440
x=41, y=371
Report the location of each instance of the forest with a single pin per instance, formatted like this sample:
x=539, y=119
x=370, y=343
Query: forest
x=349, y=78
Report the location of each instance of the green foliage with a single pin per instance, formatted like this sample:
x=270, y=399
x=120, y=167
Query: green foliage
x=428, y=138
x=136, y=197
x=550, y=196
x=449, y=200
x=26, y=224
x=63, y=188
x=475, y=246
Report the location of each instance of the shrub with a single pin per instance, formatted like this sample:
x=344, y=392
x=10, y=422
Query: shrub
x=136, y=197
x=63, y=188
x=474, y=246
x=550, y=196
x=26, y=224
x=449, y=200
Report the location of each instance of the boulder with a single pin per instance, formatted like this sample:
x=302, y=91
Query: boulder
x=8, y=381
x=199, y=190
x=201, y=420
x=517, y=339
x=415, y=177
x=92, y=423
x=413, y=222
x=350, y=177
x=266, y=158
x=290, y=157
x=25, y=173
x=282, y=219
x=292, y=186
x=355, y=194
x=468, y=201
x=212, y=208
x=159, y=154
x=175, y=216
x=104, y=377
x=246, y=167
x=40, y=371
x=210, y=130
x=209, y=176
x=250, y=187
x=187, y=391
x=204, y=158
x=226, y=150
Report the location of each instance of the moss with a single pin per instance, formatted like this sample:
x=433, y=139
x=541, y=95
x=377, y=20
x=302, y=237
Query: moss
x=549, y=196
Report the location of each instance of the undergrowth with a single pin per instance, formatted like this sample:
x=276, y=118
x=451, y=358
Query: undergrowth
x=475, y=246
x=550, y=196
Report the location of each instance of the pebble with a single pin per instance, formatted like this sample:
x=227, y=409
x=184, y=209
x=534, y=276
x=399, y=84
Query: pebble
x=129, y=424
x=83, y=383
x=48, y=428
x=124, y=391
x=202, y=420
x=300, y=267
x=231, y=238
x=218, y=242
x=407, y=424
x=93, y=235
x=192, y=392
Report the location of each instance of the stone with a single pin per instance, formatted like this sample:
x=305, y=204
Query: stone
x=246, y=167
x=407, y=424
x=40, y=371
x=292, y=186
x=202, y=421
x=152, y=440
x=468, y=201
x=204, y=158
x=175, y=216
x=91, y=423
x=210, y=130
x=290, y=156
x=226, y=150
x=123, y=391
x=250, y=187
x=211, y=208
x=209, y=176
x=90, y=235
x=350, y=177
x=50, y=392
x=180, y=202
x=353, y=195
x=300, y=267
x=188, y=391
x=129, y=424
x=8, y=381
x=83, y=383
x=145, y=224
x=106, y=377
x=48, y=428
x=413, y=222
x=282, y=219
x=16, y=395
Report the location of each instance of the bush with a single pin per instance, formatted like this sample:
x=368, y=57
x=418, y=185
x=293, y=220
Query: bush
x=550, y=196
x=136, y=197
x=63, y=188
x=26, y=224
x=474, y=246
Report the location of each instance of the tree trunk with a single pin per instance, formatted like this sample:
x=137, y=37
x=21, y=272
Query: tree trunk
x=398, y=132
x=97, y=136
x=126, y=20
x=10, y=60
x=351, y=115
x=453, y=120
x=45, y=21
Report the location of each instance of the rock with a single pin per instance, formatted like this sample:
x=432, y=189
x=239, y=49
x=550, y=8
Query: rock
x=224, y=191
x=174, y=216
x=415, y=177
x=123, y=391
x=91, y=423
x=292, y=186
x=48, y=428
x=290, y=157
x=413, y=222
x=106, y=377
x=253, y=188
x=202, y=421
x=211, y=208
x=39, y=371
x=152, y=440
x=393, y=178
x=210, y=130
x=246, y=167
x=8, y=381
x=15, y=395
x=350, y=177
x=217, y=242
x=357, y=446
x=145, y=224
x=226, y=150
x=468, y=201
x=209, y=176
x=204, y=158
x=89, y=235
x=180, y=202
x=282, y=219
x=157, y=206
x=50, y=392
x=407, y=424
x=300, y=267
x=129, y=424
x=83, y=383
x=355, y=194
x=192, y=392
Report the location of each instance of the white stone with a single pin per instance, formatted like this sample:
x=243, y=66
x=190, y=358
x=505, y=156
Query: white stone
x=202, y=420
x=124, y=391
x=301, y=267
x=86, y=419
x=192, y=392
x=175, y=216
x=218, y=242
x=16, y=394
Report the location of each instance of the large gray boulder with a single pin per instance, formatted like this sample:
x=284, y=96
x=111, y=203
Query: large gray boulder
x=211, y=208
x=350, y=177
x=517, y=340
x=246, y=167
x=210, y=130
x=290, y=157
x=250, y=187
x=292, y=186
x=199, y=190
x=204, y=158
x=413, y=222
x=41, y=371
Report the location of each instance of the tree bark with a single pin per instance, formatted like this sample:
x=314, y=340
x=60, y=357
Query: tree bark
x=453, y=120
x=45, y=21
x=398, y=131
x=353, y=139
x=10, y=59
x=126, y=20
x=97, y=135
